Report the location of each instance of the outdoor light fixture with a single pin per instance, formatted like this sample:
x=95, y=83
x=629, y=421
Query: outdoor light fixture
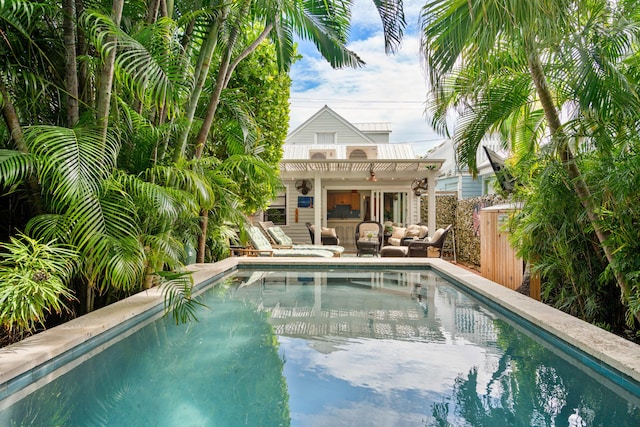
x=372, y=175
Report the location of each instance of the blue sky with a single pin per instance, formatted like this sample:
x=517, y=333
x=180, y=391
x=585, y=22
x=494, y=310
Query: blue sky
x=390, y=88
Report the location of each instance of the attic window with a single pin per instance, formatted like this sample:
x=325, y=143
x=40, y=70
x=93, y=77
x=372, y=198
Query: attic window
x=358, y=155
x=325, y=137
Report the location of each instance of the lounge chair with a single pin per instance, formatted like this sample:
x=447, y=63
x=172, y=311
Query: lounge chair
x=279, y=239
x=369, y=235
x=419, y=248
x=260, y=246
x=327, y=235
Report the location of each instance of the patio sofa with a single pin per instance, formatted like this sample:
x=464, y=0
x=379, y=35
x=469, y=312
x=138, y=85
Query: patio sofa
x=418, y=248
x=402, y=236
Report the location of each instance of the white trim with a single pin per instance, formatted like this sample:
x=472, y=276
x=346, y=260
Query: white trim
x=333, y=134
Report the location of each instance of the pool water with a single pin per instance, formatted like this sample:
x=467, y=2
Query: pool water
x=332, y=348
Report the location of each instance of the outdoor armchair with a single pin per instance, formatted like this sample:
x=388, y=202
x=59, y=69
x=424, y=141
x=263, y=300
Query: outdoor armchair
x=368, y=237
x=328, y=236
x=419, y=248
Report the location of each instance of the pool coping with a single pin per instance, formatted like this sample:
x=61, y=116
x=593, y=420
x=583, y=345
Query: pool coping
x=27, y=355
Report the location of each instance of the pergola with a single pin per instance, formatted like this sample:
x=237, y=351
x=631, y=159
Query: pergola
x=385, y=171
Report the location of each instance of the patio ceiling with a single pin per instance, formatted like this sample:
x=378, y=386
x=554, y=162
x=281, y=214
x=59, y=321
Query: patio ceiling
x=398, y=167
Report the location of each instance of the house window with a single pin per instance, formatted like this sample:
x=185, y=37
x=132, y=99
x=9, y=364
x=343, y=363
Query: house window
x=318, y=156
x=325, y=138
x=277, y=211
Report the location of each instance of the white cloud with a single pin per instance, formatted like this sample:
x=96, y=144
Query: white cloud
x=390, y=88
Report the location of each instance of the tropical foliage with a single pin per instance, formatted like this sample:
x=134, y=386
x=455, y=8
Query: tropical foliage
x=135, y=131
x=558, y=81
x=33, y=283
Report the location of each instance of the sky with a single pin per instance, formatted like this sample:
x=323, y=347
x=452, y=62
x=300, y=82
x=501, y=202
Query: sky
x=390, y=88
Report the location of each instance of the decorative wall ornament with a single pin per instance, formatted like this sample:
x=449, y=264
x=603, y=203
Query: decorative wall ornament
x=420, y=186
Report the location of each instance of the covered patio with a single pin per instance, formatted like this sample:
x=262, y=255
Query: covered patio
x=372, y=189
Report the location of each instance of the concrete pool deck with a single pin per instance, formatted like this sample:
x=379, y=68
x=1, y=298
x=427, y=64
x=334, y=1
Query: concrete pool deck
x=26, y=356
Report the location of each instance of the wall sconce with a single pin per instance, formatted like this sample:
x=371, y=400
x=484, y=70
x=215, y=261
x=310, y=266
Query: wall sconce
x=372, y=175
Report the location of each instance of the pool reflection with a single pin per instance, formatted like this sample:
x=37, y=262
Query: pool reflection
x=407, y=348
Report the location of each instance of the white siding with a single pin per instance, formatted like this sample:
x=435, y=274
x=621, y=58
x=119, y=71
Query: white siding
x=298, y=230
x=327, y=122
x=378, y=137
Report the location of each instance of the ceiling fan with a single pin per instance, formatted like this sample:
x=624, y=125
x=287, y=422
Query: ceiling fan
x=304, y=186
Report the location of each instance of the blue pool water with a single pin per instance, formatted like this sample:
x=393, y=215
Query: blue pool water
x=332, y=348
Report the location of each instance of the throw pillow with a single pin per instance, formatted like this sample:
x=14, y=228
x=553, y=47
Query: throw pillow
x=328, y=232
x=398, y=232
x=279, y=236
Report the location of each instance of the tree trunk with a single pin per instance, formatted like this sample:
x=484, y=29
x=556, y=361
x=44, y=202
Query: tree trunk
x=224, y=75
x=71, y=70
x=201, y=72
x=214, y=100
x=152, y=11
x=85, y=88
x=106, y=75
x=11, y=119
x=202, y=239
x=15, y=130
x=207, y=121
x=568, y=160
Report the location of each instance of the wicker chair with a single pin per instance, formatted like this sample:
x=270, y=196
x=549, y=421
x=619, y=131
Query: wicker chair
x=369, y=235
x=418, y=248
x=328, y=238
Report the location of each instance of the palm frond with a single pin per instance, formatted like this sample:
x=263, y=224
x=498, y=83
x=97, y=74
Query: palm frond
x=74, y=161
x=183, y=177
x=150, y=72
x=393, y=22
x=326, y=26
x=15, y=167
x=178, y=300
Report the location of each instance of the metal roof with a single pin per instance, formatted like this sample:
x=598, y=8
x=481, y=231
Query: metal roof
x=374, y=126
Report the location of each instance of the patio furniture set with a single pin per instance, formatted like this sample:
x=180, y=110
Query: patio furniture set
x=268, y=239
x=411, y=241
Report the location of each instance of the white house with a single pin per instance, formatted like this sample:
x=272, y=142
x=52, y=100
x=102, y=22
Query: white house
x=452, y=178
x=338, y=173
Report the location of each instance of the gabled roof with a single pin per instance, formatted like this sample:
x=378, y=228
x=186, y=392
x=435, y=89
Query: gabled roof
x=337, y=116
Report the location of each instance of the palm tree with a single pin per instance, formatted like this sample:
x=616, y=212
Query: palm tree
x=512, y=62
x=93, y=140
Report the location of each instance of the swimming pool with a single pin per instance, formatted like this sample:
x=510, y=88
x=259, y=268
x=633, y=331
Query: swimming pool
x=338, y=347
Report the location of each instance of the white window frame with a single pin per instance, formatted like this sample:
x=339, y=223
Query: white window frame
x=281, y=203
x=326, y=138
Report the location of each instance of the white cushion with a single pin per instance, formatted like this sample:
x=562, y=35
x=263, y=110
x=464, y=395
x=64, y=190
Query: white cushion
x=328, y=232
x=394, y=241
x=367, y=228
x=398, y=232
x=436, y=235
x=418, y=231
